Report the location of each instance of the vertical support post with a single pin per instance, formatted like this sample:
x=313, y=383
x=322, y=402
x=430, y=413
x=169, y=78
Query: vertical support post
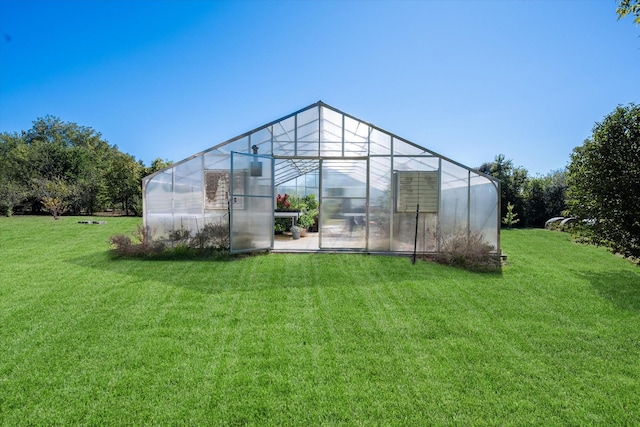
x=394, y=188
x=173, y=198
x=204, y=188
x=320, y=201
x=343, y=135
x=366, y=207
x=468, y=204
x=319, y=132
x=295, y=135
x=415, y=238
x=499, y=190
x=438, y=214
x=144, y=204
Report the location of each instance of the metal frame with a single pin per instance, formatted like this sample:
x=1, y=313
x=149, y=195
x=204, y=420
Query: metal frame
x=303, y=162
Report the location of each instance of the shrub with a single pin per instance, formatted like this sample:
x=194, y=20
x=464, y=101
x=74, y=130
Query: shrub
x=212, y=236
x=122, y=245
x=467, y=250
x=179, y=237
x=213, y=239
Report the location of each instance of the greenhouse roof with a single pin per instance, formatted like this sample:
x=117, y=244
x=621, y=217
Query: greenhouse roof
x=301, y=139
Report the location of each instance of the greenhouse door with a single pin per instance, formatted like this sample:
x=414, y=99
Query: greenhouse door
x=251, y=204
x=343, y=204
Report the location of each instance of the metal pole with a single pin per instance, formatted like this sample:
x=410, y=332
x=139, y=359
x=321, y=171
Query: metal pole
x=415, y=239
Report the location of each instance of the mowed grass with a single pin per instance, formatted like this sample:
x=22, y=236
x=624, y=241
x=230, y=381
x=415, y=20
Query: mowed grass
x=312, y=339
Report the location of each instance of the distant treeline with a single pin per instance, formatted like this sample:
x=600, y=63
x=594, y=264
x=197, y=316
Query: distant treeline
x=62, y=166
x=534, y=199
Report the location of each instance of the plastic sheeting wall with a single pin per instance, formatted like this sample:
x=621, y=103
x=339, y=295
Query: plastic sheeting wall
x=194, y=192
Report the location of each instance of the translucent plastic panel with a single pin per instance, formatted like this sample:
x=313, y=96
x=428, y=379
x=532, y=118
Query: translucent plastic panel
x=380, y=204
x=159, y=225
x=191, y=223
x=252, y=176
x=454, y=199
x=187, y=189
x=311, y=115
x=402, y=147
x=331, y=149
x=281, y=148
x=284, y=136
x=380, y=142
x=344, y=178
x=251, y=202
x=380, y=176
x=412, y=163
x=330, y=126
x=355, y=130
x=356, y=137
x=240, y=146
x=159, y=193
x=262, y=139
x=191, y=168
x=308, y=149
x=186, y=202
x=252, y=226
x=343, y=223
x=484, y=209
x=404, y=232
x=217, y=161
x=292, y=168
x=343, y=204
x=355, y=149
x=308, y=128
x=284, y=130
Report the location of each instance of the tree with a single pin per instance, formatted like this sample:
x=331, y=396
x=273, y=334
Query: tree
x=544, y=198
x=534, y=203
x=12, y=185
x=512, y=183
x=124, y=182
x=555, y=193
x=55, y=196
x=626, y=7
x=156, y=165
x=511, y=218
x=53, y=150
x=604, y=181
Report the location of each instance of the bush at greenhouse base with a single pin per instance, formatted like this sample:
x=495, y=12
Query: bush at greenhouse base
x=212, y=240
x=469, y=251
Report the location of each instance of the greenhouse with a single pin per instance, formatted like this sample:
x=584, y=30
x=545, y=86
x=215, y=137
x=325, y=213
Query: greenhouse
x=358, y=187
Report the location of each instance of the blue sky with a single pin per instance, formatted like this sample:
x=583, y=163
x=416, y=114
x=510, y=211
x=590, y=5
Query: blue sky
x=466, y=79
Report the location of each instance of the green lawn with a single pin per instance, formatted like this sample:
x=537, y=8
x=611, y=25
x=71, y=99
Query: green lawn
x=308, y=339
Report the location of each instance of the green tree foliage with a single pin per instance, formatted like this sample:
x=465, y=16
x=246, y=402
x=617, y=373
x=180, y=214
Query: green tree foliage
x=555, y=193
x=533, y=200
x=604, y=181
x=534, y=204
x=544, y=198
x=96, y=174
x=123, y=180
x=12, y=182
x=512, y=183
x=56, y=195
x=511, y=218
x=629, y=7
x=156, y=165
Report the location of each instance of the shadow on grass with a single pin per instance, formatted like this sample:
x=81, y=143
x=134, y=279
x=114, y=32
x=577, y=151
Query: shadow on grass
x=622, y=287
x=251, y=272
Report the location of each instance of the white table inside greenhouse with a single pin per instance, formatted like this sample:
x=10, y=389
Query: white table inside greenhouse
x=293, y=215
